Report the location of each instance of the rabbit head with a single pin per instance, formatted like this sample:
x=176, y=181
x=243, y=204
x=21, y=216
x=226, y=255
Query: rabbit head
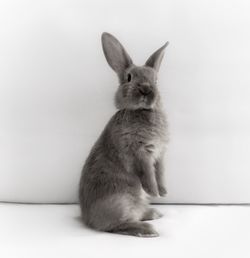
x=138, y=84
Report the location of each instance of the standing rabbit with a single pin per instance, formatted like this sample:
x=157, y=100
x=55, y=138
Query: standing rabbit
x=125, y=166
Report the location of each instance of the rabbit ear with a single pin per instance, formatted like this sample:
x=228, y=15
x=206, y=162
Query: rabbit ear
x=115, y=54
x=155, y=59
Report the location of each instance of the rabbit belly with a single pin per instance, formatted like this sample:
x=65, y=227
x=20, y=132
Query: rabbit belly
x=144, y=196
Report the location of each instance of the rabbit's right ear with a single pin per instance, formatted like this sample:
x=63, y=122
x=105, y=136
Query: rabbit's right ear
x=115, y=54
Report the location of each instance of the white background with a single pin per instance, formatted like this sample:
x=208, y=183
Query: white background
x=185, y=231
x=56, y=92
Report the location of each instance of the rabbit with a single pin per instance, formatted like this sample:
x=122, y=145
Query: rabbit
x=125, y=165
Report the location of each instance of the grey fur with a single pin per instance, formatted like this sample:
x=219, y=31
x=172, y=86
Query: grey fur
x=125, y=166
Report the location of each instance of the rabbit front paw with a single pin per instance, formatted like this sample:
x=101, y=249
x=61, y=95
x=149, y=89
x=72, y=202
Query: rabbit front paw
x=162, y=190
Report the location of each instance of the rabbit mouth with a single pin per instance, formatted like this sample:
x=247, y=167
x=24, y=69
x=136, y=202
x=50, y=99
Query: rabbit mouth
x=146, y=101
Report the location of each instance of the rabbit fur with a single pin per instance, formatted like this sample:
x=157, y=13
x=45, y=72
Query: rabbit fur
x=125, y=165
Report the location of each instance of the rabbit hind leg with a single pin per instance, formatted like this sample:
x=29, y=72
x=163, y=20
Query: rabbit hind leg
x=121, y=214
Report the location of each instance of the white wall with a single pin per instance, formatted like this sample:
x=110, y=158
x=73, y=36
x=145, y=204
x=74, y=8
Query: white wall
x=56, y=92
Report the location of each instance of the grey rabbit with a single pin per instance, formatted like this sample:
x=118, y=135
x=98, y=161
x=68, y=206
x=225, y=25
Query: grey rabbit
x=125, y=166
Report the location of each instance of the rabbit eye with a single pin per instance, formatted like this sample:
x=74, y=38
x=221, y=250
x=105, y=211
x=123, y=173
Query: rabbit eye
x=129, y=77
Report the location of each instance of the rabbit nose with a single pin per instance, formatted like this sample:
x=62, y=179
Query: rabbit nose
x=144, y=89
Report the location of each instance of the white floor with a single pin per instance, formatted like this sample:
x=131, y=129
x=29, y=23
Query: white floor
x=28, y=230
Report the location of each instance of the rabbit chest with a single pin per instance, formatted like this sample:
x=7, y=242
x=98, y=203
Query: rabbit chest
x=143, y=131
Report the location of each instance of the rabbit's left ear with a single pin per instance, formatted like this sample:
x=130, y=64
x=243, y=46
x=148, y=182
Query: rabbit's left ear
x=115, y=53
x=155, y=59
